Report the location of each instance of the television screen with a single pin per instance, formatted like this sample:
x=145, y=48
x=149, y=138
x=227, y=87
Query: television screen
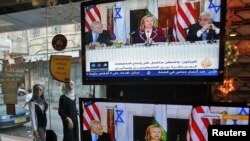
x=153, y=41
x=128, y=121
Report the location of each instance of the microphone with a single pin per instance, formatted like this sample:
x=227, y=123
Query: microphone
x=147, y=41
x=147, y=34
x=133, y=32
x=211, y=33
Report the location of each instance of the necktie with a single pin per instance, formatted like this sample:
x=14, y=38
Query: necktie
x=96, y=138
x=204, y=35
x=95, y=37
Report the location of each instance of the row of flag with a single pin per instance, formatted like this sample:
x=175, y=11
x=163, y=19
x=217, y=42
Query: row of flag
x=93, y=14
x=197, y=126
x=91, y=112
x=185, y=16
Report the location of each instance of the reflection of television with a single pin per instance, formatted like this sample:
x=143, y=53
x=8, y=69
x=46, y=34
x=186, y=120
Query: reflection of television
x=173, y=60
x=127, y=121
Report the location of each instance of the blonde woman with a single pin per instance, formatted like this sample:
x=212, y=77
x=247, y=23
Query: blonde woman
x=148, y=33
x=154, y=133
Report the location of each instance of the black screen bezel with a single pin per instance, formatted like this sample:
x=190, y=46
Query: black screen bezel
x=154, y=79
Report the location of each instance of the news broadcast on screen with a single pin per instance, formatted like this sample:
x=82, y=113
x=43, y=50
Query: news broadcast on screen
x=128, y=121
x=144, y=40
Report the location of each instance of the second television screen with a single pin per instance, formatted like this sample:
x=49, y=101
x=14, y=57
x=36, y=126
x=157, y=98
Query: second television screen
x=128, y=121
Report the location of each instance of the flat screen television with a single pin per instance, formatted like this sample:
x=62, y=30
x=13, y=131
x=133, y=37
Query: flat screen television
x=153, y=41
x=127, y=120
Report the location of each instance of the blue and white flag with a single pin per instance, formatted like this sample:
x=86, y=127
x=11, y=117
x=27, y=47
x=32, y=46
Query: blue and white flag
x=119, y=22
x=214, y=7
x=121, y=123
x=238, y=116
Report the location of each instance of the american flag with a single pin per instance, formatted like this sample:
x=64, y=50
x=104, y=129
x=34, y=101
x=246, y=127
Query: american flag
x=185, y=16
x=198, y=127
x=90, y=112
x=92, y=14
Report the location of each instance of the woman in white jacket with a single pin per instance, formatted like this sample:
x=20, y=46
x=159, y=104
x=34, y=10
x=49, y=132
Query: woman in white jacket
x=38, y=107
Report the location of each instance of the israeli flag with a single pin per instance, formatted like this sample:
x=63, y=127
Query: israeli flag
x=119, y=22
x=121, y=123
x=214, y=7
x=241, y=113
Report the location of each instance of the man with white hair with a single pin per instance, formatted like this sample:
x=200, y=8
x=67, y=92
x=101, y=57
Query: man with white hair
x=96, y=133
x=205, y=29
x=97, y=37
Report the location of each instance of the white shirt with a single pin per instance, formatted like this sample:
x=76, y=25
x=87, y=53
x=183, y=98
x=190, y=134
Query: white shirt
x=33, y=115
x=148, y=33
x=28, y=97
x=199, y=32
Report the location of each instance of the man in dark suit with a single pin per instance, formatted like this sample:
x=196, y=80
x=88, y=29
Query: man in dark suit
x=97, y=36
x=205, y=29
x=96, y=132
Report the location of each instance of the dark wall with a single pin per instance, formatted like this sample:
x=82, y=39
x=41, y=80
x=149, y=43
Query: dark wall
x=136, y=16
x=171, y=93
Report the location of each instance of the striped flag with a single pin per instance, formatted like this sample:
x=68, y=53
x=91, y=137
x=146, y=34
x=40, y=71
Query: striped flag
x=160, y=118
x=152, y=9
x=198, y=126
x=90, y=112
x=92, y=14
x=185, y=16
